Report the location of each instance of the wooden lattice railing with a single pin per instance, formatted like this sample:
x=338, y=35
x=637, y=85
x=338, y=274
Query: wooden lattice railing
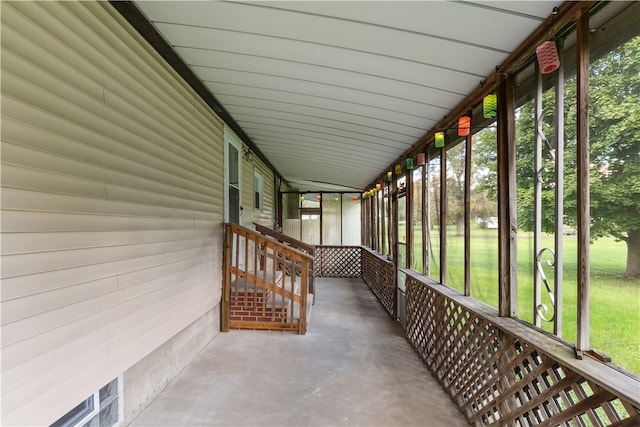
x=265, y=283
x=338, y=261
x=502, y=372
x=378, y=273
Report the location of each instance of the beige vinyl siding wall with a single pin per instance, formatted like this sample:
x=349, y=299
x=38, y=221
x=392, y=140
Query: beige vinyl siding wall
x=111, y=205
x=250, y=215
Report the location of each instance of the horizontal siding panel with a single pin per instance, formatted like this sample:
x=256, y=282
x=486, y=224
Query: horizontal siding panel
x=42, y=162
x=145, y=68
x=46, y=388
x=34, y=45
x=44, y=282
x=28, y=200
x=17, y=221
x=61, y=32
x=96, y=117
x=42, y=333
x=65, y=140
x=33, y=263
x=71, y=132
x=133, y=87
x=19, y=177
x=19, y=243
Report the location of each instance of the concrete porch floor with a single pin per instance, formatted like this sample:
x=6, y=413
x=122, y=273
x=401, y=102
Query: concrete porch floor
x=353, y=368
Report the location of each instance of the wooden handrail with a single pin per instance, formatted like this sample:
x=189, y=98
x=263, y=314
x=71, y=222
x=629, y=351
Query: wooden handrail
x=295, y=243
x=266, y=282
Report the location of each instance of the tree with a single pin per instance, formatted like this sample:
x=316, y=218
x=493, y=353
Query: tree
x=614, y=154
x=615, y=149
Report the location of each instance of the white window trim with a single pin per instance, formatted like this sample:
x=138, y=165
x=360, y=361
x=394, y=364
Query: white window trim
x=230, y=138
x=95, y=411
x=257, y=175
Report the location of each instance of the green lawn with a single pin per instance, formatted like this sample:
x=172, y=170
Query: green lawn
x=614, y=303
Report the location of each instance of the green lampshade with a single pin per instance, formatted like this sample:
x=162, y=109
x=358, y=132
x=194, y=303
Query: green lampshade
x=409, y=163
x=490, y=106
x=439, y=139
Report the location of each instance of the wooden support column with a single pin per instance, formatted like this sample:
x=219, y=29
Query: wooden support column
x=583, y=202
x=424, y=211
x=507, y=215
x=467, y=213
x=393, y=225
x=443, y=213
x=226, y=283
x=409, y=222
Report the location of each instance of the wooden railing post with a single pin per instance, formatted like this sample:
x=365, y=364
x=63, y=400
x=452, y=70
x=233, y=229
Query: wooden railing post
x=304, y=275
x=226, y=282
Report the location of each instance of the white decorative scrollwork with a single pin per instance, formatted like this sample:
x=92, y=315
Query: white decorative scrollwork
x=542, y=310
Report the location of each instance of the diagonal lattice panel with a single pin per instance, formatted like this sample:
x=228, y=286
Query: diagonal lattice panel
x=497, y=378
x=338, y=261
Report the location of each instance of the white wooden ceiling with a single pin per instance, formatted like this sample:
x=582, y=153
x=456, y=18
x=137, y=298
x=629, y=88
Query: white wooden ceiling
x=332, y=92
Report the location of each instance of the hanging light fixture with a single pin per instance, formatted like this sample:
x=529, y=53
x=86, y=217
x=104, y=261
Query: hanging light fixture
x=319, y=197
x=372, y=192
x=378, y=186
x=464, y=126
x=355, y=198
x=398, y=169
x=409, y=163
x=389, y=176
x=490, y=106
x=547, y=54
x=420, y=159
x=439, y=139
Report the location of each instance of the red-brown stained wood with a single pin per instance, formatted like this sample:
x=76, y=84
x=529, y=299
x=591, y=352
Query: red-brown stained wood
x=493, y=371
x=507, y=223
x=583, y=202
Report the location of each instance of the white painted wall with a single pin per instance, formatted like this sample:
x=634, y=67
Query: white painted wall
x=111, y=205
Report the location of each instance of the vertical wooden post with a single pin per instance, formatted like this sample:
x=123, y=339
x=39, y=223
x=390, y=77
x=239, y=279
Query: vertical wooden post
x=537, y=195
x=507, y=215
x=583, y=202
x=467, y=214
x=226, y=281
x=409, y=219
x=394, y=243
x=304, y=289
x=383, y=229
x=341, y=218
x=363, y=208
x=424, y=211
x=321, y=200
x=559, y=193
x=372, y=218
x=443, y=213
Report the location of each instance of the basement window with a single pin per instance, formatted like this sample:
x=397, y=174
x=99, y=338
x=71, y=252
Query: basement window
x=81, y=414
x=102, y=409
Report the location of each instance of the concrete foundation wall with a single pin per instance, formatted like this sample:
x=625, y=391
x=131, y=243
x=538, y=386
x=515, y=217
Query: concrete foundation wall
x=144, y=380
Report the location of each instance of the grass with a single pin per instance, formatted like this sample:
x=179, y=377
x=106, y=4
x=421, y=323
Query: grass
x=614, y=302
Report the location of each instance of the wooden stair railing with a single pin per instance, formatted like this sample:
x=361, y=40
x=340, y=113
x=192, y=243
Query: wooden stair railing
x=260, y=288
x=296, y=244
